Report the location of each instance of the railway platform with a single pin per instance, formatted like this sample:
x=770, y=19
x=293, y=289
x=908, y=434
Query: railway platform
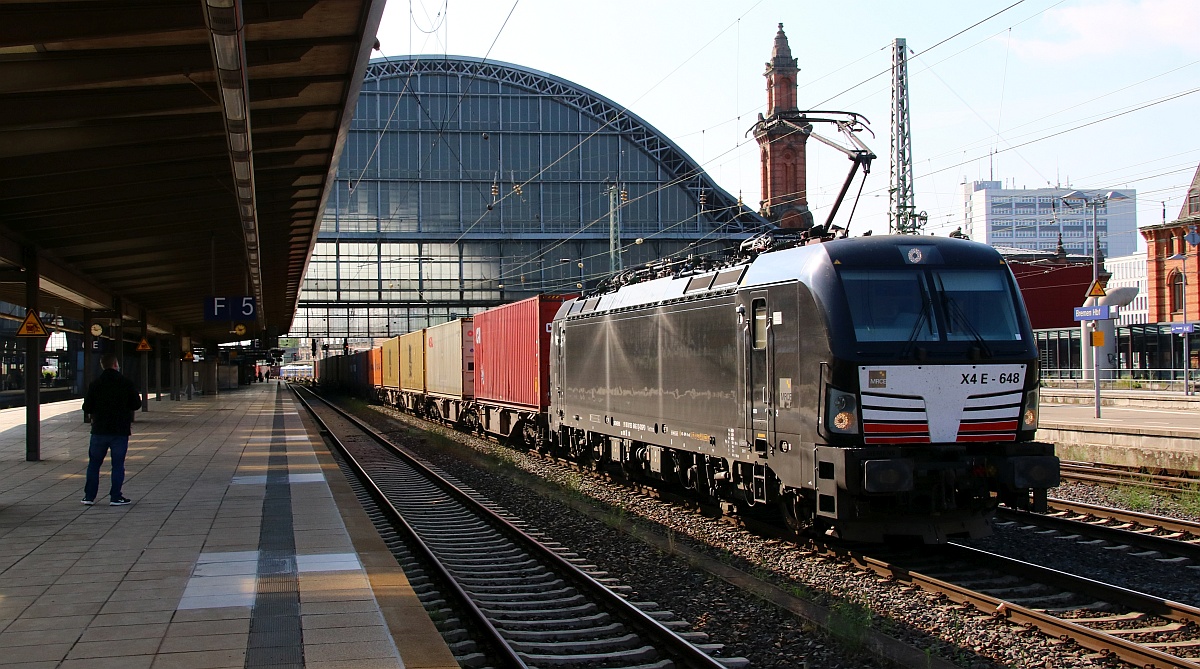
x=1140, y=428
x=244, y=547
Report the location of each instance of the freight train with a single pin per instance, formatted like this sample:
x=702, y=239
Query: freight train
x=870, y=387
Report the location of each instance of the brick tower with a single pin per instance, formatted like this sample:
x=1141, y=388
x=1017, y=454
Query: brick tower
x=782, y=144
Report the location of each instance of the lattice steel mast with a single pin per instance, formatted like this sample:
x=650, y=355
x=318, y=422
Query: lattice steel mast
x=903, y=217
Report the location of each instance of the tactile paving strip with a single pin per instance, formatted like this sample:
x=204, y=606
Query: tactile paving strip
x=275, y=634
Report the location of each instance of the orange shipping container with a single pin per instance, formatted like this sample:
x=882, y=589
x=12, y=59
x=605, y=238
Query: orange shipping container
x=376, y=365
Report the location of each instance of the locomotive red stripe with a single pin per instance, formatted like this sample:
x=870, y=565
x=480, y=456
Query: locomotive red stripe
x=994, y=426
x=897, y=440
x=896, y=428
x=987, y=437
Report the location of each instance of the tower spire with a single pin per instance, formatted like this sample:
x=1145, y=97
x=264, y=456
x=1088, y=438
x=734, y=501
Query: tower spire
x=782, y=137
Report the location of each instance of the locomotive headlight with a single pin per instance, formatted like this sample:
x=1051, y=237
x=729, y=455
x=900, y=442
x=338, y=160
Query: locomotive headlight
x=841, y=412
x=1029, y=412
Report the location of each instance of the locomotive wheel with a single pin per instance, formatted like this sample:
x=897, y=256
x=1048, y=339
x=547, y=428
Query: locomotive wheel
x=578, y=448
x=797, y=514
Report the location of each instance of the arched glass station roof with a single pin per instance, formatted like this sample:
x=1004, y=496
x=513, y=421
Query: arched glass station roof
x=465, y=183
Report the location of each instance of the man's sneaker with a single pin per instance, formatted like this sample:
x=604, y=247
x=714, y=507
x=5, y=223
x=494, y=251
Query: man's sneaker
x=88, y=502
x=120, y=501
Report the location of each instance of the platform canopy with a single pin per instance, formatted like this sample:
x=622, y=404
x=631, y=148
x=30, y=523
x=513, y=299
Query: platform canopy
x=156, y=154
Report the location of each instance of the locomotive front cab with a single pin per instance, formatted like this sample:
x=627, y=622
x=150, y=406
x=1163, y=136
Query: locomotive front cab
x=929, y=401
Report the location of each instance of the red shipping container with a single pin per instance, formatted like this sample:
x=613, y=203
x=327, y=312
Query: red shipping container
x=512, y=352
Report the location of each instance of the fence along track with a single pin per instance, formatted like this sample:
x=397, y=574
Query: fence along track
x=528, y=597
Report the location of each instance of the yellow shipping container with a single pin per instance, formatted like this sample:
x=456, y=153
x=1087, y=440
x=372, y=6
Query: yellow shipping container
x=412, y=361
x=391, y=363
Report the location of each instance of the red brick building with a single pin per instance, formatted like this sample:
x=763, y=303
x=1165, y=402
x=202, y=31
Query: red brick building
x=1164, y=268
x=782, y=137
x=1052, y=284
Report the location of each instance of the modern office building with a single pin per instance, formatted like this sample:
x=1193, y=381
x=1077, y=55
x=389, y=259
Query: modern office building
x=1034, y=218
x=1130, y=271
x=466, y=183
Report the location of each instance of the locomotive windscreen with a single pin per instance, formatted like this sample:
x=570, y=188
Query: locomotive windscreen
x=920, y=305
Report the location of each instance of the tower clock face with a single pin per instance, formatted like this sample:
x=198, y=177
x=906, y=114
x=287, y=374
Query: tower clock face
x=97, y=329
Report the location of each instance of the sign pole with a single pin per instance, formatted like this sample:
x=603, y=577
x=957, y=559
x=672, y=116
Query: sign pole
x=144, y=362
x=1096, y=364
x=33, y=361
x=1094, y=314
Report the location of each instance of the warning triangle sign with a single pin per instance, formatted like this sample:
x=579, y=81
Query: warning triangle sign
x=143, y=346
x=32, y=326
x=1096, y=290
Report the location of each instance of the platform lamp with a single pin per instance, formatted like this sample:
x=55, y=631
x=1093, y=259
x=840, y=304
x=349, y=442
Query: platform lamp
x=1078, y=198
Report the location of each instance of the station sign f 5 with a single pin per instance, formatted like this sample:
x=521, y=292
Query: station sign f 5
x=239, y=308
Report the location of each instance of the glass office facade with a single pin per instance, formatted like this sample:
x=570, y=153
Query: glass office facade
x=466, y=184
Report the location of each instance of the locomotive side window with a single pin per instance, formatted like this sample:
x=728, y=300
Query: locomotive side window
x=698, y=283
x=890, y=305
x=760, y=324
x=728, y=277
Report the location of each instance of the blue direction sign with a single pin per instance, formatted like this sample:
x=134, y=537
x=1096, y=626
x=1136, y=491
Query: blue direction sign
x=240, y=308
x=1096, y=313
x=1180, y=328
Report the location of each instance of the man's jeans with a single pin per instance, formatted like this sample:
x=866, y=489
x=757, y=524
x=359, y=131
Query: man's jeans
x=100, y=445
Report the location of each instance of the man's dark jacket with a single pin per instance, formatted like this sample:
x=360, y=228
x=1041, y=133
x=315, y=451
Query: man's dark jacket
x=111, y=401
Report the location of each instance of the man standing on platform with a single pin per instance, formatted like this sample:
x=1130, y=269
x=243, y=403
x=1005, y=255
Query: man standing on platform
x=111, y=401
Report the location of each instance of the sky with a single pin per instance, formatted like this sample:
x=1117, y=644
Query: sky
x=1095, y=94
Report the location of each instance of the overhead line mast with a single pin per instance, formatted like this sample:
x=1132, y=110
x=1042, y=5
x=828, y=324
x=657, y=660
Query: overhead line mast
x=903, y=217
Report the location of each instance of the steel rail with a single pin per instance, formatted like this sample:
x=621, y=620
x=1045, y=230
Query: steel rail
x=1092, y=639
x=509, y=657
x=1118, y=535
x=664, y=637
x=1127, y=516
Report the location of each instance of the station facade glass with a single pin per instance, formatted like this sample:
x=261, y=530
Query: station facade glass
x=465, y=184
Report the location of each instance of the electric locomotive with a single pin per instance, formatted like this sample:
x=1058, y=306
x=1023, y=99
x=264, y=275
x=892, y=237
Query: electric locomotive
x=871, y=386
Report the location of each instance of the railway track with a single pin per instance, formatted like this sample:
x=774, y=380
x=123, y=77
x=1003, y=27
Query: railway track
x=503, y=597
x=1158, y=537
x=1141, y=629
x=1135, y=627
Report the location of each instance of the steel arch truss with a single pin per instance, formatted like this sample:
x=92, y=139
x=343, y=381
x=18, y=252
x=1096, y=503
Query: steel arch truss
x=716, y=205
